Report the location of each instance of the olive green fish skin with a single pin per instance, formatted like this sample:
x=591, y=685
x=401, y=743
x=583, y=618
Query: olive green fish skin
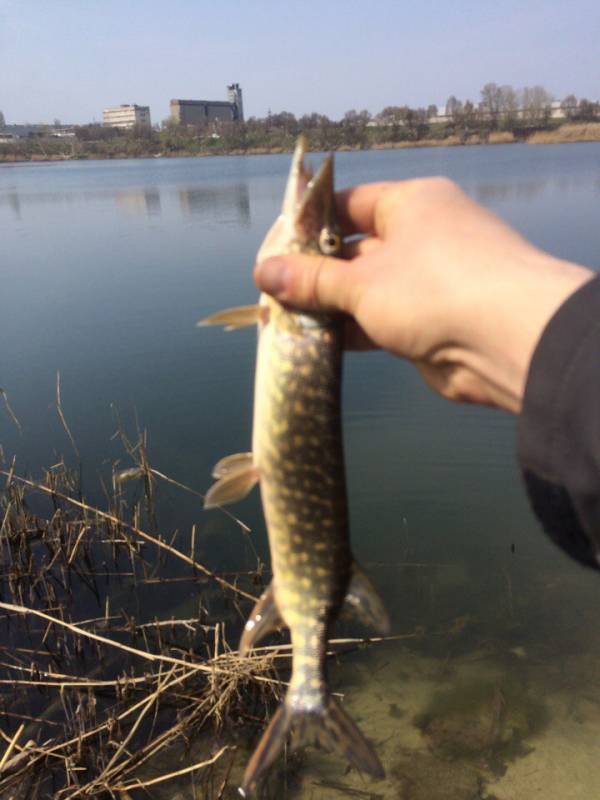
x=302, y=480
x=297, y=458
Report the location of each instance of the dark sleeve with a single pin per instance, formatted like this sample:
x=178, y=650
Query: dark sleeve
x=559, y=426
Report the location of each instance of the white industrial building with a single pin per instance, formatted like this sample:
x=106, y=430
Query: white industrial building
x=127, y=116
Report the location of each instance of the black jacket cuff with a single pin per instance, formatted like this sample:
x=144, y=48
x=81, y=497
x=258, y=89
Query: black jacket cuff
x=559, y=426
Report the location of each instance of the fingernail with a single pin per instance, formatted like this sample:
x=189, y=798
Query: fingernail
x=272, y=275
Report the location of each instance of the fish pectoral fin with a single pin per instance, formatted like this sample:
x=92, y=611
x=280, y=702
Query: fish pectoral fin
x=234, y=318
x=233, y=463
x=264, y=619
x=328, y=727
x=363, y=600
x=232, y=487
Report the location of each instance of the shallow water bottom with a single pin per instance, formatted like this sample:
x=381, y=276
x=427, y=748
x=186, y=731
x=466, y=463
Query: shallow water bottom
x=498, y=703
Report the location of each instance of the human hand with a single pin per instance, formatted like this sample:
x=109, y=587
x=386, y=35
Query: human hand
x=436, y=279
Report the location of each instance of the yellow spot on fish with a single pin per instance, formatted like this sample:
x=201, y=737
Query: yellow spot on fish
x=299, y=407
x=291, y=617
x=306, y=660
x=292, y=518
x=305, y=582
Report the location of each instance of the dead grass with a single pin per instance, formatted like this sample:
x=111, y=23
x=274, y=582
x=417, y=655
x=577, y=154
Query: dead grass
x=88, y=705
x=84, y=704
x=576, y=132
x=501, y=137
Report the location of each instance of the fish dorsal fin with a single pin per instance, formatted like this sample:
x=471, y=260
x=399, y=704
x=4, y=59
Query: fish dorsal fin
x=233, y=486
x=363, y=600
x=264, y=619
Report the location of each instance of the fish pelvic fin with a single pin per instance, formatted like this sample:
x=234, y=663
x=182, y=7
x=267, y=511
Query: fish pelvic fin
x=264, y=619
x=327, y=726
x=364, y=602
x=235, y=481
x=231, y=464
x=234, y=318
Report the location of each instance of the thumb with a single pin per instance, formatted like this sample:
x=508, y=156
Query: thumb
x=316, y=283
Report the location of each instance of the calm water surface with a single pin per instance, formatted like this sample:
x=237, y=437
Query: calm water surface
x=106, y=266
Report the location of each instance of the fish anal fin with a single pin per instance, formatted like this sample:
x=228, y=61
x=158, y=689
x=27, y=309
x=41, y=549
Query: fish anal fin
x=232, y=487
x=363, y=600
x=234, y=318
x=231, y=464
x=327, y=726
x=264, y=619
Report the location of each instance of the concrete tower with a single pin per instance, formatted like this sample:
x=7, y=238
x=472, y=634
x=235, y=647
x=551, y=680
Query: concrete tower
x=234, y=95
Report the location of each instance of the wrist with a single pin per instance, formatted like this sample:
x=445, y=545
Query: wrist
x=508, y=324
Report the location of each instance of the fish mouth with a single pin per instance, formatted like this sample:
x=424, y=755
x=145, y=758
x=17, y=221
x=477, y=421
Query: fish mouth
x=309, y=199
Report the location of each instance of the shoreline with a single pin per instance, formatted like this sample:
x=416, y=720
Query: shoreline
x=566, y=134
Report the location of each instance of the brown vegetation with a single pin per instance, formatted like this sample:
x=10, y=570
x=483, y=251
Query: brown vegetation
x=96, y=689
x=581, y=132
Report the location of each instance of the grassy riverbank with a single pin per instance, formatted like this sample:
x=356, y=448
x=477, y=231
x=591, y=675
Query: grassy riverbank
x=182, y=143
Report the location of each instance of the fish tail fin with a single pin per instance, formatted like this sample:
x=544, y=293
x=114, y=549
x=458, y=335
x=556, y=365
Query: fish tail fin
x=269, y=747
x=328, y=727
x=340, y=734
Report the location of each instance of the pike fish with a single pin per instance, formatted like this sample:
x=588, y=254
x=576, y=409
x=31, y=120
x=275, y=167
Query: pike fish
x=297, y=459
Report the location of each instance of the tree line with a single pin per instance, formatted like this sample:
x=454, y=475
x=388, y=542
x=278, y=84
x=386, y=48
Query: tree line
x=500, y=108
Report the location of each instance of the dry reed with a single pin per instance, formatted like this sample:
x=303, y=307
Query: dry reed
x=88, y=704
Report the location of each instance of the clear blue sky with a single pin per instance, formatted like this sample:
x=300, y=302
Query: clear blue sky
x=68, y=59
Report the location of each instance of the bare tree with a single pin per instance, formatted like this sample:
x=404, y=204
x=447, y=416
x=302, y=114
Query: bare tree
x=587, y=110
x=569, y=106
x=285, y=121
x=2, y=121
x=508, y=110
x=453, y=107
x=536, y=103
x=491, y=103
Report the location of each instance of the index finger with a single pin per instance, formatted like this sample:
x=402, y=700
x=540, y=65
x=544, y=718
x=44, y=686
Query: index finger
x=356, y=207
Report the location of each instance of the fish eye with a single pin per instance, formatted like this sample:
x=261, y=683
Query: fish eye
x=329, y=242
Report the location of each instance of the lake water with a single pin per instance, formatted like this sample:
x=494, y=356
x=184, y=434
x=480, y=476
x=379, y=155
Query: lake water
x=106, y=267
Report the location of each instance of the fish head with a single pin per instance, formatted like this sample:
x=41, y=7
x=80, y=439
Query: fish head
x=307, y=223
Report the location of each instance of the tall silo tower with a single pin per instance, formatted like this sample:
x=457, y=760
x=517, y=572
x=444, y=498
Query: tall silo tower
x=234, y=94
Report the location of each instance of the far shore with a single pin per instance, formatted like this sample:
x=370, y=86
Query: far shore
x=576, y=132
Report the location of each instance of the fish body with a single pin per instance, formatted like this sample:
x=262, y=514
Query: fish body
x=297, y=457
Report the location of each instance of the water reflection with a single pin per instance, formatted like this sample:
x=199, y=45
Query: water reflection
x=486, y=193
x=217, y=199
x=13, y=201
x=139, y=201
